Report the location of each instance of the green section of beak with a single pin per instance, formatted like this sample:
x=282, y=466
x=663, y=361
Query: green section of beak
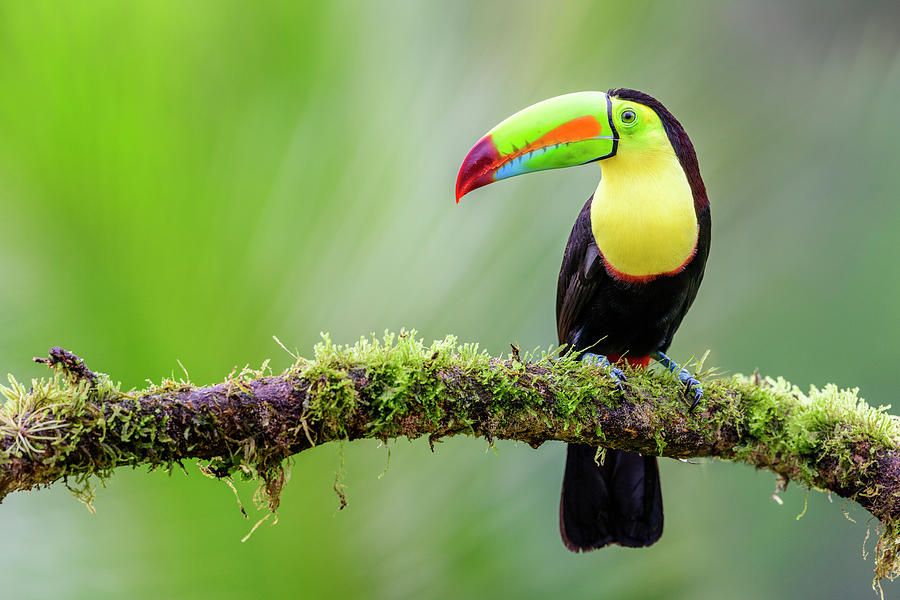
x=564, y=131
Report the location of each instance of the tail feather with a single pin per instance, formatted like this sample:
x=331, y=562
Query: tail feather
x=617, y=502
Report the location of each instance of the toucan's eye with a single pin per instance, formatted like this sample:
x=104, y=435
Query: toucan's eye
x=629, y=117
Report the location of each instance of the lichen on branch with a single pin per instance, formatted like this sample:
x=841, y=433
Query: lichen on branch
x=77, y=423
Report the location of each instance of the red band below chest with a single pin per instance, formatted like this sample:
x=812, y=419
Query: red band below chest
x=633, y=361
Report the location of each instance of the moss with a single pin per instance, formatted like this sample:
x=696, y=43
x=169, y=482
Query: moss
x=887, y=550
x=44, y=423
x=399, y=371
x=396, y=384
x=579, y=383
x=33, y=418
x=822, y=423
x=804, y=430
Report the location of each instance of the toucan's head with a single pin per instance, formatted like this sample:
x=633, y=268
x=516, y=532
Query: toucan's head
x=574, y=129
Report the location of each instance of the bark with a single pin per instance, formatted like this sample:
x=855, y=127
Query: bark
x=255, y=421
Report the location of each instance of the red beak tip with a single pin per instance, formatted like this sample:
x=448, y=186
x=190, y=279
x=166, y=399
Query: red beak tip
x=463, y=187
x=478, y=167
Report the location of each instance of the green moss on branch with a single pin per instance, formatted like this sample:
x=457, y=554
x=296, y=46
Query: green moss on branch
x=77, y=423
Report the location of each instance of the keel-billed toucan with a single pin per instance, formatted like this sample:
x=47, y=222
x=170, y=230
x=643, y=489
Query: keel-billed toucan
x=631, y=270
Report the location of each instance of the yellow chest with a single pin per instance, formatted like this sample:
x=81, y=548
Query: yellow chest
x=643, y=217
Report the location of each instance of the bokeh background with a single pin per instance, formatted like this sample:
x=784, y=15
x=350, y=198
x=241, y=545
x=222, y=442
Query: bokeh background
x=182, y=181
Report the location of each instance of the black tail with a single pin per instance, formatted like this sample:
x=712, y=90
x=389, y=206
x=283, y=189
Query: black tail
x=617, y=502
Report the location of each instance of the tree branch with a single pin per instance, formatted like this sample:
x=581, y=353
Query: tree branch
x=79, y=423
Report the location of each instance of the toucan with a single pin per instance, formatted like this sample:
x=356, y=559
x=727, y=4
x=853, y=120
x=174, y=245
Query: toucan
x=630, y=272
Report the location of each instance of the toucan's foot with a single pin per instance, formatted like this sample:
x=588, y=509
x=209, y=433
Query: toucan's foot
x=692, y=388
x=692, y=385
x=616, y=374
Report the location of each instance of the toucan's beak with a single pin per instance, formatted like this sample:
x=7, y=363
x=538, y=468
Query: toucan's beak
x=560, y=132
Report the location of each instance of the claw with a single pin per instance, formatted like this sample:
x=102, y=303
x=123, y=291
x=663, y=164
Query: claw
x=616, y=374
x=692, y=386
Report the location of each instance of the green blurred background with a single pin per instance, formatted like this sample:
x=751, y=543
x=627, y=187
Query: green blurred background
x=184, y=180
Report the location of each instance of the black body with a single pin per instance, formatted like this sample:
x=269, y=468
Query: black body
x=619, y=501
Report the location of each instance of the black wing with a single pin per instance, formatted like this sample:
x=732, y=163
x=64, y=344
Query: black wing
x=580, y=276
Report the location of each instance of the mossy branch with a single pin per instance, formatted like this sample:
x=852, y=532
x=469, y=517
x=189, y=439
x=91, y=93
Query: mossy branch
x=78, y=423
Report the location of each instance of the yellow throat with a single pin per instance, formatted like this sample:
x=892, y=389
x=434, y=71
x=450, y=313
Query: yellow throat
x=642, y=215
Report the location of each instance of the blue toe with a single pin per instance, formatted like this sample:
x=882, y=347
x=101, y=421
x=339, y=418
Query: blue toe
x=616, y=374
x=691, y=383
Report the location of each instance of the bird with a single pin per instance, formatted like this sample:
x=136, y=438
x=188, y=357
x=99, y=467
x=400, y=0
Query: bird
x=631, y=269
